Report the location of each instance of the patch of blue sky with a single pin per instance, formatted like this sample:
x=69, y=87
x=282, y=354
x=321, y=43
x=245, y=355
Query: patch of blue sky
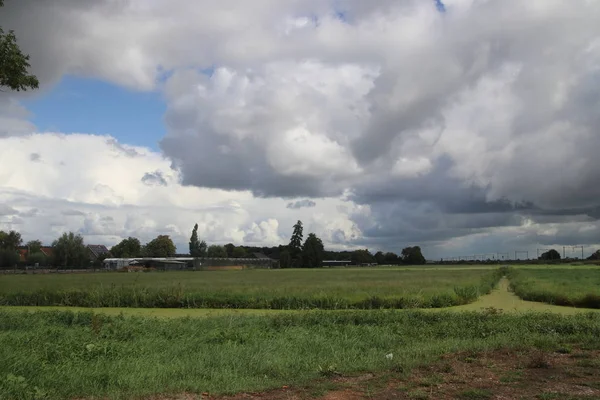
x=440, y=5
x=86, y=105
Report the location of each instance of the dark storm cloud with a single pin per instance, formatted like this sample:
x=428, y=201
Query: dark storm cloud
x=245, y=170
x=306, y=203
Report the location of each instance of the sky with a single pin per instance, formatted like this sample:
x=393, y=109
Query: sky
x=463, y=126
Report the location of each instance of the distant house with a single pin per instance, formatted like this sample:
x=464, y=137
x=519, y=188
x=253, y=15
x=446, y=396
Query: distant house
x=24, y=252
x=336, y=263
x=97, y=250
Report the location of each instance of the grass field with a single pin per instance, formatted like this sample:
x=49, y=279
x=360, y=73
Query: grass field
x=499, y=299
x=60, y=355
x=371, y=288
x=565, y=287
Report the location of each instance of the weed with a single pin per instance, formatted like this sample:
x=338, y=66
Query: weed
x=564, y=350
x=418, y=395
x=539, y=360
x=512, y=376
x=446, y=368
x=550, y=396
x=432, y=380
x=475, y=394
x=328, y=371
x=588, y=363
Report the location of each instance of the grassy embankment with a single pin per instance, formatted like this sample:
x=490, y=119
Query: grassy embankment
x=335, y=289
x=59, y=355
x=563, y=287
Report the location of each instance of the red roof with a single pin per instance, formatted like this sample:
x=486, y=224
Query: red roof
x=23, y=252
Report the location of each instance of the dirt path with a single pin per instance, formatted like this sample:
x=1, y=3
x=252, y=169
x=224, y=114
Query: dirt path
x=500, y=298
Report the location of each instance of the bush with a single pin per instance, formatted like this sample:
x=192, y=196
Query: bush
x=8, y=258
x=37, y=258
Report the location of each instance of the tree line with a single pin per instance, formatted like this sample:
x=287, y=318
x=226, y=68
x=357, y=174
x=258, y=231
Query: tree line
x=311, y=253
x=70, y=250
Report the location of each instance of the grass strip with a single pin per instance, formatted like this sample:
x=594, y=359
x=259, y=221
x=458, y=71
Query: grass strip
x=58, y=355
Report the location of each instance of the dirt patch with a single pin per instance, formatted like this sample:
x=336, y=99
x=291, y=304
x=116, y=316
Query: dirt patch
x=504, y=374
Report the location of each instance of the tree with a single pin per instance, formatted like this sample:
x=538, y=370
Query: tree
x=550, y=255
x=238, y=252
x=14, y=64
x=34, y=246
x=295, y=246
x=197, y=247
x=10, y=240
x=8, y=258
x=595, y=256
x=127, y=248
x=38, y=258
x=412, y=256
x=230, y=248
x=161, y=246
x=70, y=251
x=391, y=258
x=285, y=259
x=312, y=252
x=360, y=257
x=380, y=258
x=215, y=251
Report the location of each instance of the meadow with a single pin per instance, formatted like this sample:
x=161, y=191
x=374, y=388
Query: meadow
x=563, y=287
x=61, y=355
x=331, y=289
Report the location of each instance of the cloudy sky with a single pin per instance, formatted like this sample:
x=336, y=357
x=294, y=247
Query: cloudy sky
x=464, y=126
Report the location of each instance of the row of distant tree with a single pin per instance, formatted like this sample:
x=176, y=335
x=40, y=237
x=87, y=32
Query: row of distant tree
x=69, y=250
x=554, y=255
x=311, y=253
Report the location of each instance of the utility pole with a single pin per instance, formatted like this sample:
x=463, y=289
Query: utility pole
x=578, y=247
x=517, y=252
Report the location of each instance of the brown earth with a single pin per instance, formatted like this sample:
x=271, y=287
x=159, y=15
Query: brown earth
x=224, y=268
x=502, y=374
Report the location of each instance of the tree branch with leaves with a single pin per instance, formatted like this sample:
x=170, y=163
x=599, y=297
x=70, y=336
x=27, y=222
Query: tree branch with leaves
x=14, y=64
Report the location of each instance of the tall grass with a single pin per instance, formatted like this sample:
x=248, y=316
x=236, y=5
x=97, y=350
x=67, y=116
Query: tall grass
x=60, y=355
x=563, y=287
x=285, y=290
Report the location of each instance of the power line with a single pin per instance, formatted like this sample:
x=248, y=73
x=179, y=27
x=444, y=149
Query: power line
x=517, y=252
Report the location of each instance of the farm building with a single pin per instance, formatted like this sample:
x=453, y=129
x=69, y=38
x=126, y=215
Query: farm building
x=336, y=263
x=96, y=250
x=178, y=263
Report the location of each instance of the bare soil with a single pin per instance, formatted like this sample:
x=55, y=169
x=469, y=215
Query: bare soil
x=503, y=374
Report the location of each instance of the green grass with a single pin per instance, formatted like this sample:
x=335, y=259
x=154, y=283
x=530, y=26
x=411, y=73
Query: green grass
x=254, y=289
x=58, y=355
x=501, y=300
x=563, y=287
